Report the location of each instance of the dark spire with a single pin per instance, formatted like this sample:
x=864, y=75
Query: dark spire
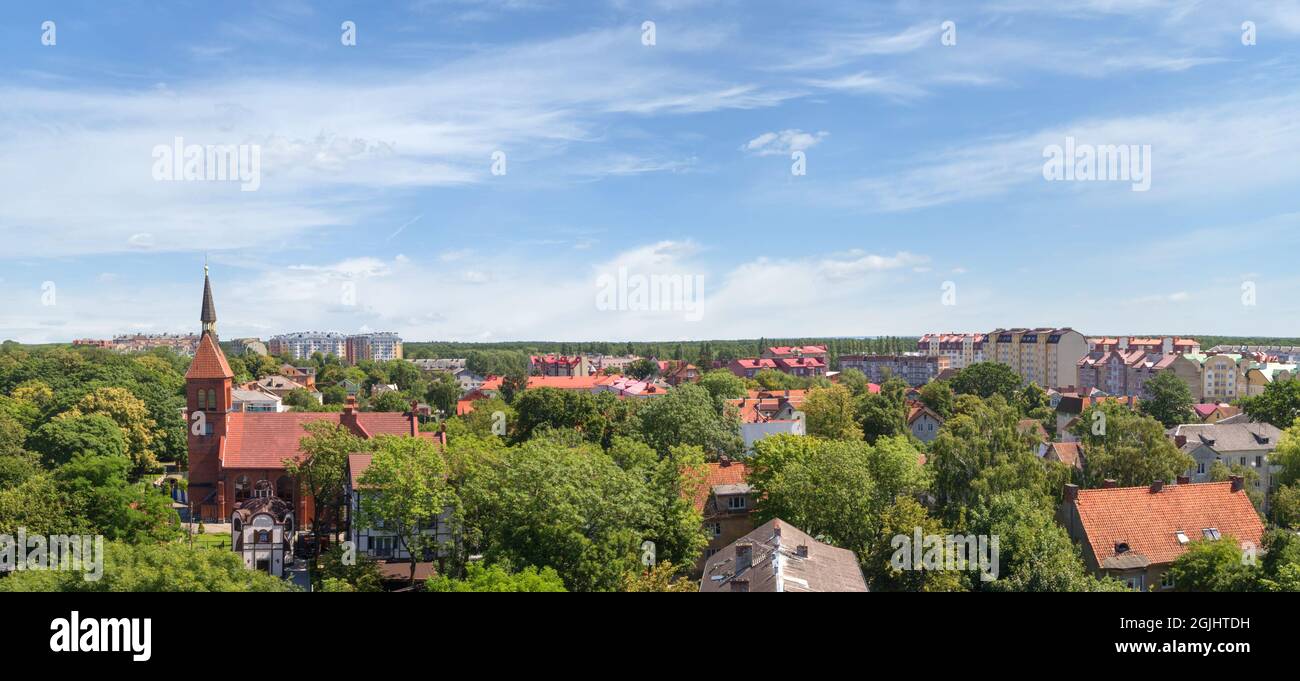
x=209, y=314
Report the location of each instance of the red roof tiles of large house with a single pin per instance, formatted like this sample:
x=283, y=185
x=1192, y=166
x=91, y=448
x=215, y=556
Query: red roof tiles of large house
x=266, y=439
x=1148, y=522
x=209, y=361
x=719, y=474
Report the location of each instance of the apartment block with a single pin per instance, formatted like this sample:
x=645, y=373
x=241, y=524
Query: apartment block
x=916, y=369
x=384, y=346
x=961, y=349
x=1046, y=356
x=304, y=344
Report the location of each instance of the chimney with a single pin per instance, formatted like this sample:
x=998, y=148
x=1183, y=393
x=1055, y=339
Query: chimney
x=801, y=551
x=724, y=461
x=1157, y=486
x=1184, y=480
x=776, y=531
x=414, y=416
x=744, y=557
x=1071, y=493
x=1109, y=484
x=1236, y=482
x=349, y=415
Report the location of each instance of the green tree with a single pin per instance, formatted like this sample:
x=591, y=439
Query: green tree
x=443, y=393
x=498, y=578
x=723, y=385
x=939, y=397
x=1170, y=400
x=829, y=413
x=687, y=416
x=391, y=402
x=642, y=369
x=1279, y=404
x=1213, y=565
x=405, y=492
x=171, y=567
x=1285, y=506
x=986, y=379
x=130, y=414
x=663, y=577
x=568, y=507
x=321, y=471
x=1128, y=447
x=61, y=439
x=901, y=519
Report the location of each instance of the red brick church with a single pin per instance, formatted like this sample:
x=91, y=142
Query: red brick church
x=234, y=450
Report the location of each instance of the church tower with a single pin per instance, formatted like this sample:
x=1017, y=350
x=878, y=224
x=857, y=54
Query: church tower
x=208, y=385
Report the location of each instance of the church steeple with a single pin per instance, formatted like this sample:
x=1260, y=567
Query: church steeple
x=209, y=314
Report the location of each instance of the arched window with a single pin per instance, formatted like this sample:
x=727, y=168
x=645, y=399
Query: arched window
x=284, y=488
x=242, y=488
x=212, y=399
x=200, y=397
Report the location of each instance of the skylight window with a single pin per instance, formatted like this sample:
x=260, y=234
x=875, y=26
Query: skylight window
x=1182, y=537
x=1210, y=533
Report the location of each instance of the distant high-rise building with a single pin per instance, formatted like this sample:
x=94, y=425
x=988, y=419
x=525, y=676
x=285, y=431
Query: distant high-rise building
x=384, y=346
x=303, y=344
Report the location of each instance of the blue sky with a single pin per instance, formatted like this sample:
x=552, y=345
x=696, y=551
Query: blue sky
x=377, y=207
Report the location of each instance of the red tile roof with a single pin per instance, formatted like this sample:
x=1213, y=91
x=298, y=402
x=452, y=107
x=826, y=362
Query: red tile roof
x=209, y=361
x=266, y=439
x=357, y=465
x=1148, y=521
x=719, y=474
x=570, y=382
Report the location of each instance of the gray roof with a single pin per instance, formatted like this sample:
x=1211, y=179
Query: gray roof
x=1230, y=437
x=209, y=312
x=732, y=489
x=776, y=564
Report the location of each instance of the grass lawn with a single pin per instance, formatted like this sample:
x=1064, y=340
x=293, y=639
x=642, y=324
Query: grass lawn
x=216, y=541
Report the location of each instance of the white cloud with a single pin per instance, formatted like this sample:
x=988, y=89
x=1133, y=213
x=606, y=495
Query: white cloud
x=783, y=143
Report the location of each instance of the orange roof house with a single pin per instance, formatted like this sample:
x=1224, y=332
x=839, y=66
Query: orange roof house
x=1135, y=533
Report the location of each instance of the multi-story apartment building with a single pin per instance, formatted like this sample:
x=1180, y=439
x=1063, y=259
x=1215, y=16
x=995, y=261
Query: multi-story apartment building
x=916, y=369
x=558, y=365
x=1154, y=346
x=181, y=343
x=1286, y=354
x=1223, y=377
x=304, y=344
x=1123, y=370
x=383, y=346
x=796, y=351
x=1046, y=356
x=961, y=349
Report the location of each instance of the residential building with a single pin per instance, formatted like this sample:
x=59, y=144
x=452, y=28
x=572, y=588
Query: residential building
x=1069, y=453
x=961, y=349
x=93, y=343
x=626, y=386
x=1046, y=356
x=1214, y=413
x=915, y=369
x=1247, y=444
x=372, y=539
x=748, y=368
x=1123, y=370
x=381, y=346
x=923, y=421
x=251, y=346
x=1259, y=376
x=597, y=363
x=778, y=557
x=303, y=375
x=1154, y=346
x=558, y=365
x=765, y=413
x=1135, y=533
x=1223, y=377
x=256, y=400
x=180, y=343
x=677, y=372
x=279, y=386
x=796, y=352
x=725, y=501
x=445, y=365
x=1287, y=354
x=304, y=344
x=806, y=367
